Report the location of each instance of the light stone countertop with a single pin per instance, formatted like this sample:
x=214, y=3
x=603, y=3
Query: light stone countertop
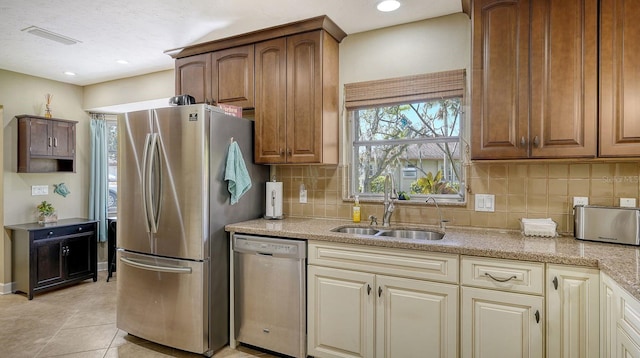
x=620, y=262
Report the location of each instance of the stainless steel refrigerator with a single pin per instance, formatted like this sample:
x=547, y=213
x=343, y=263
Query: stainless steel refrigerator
x=173, y=203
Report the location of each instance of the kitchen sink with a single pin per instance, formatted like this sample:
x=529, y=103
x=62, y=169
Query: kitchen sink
x=418, y=234
x=413, y=234
x=356, y=230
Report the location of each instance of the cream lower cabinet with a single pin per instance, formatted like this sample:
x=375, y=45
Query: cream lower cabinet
x=620, y=321
x=354, y=313
x=573, y=306
x=502, y=308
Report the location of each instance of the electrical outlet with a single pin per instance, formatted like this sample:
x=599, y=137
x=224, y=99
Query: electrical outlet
x=580, y=200
x=627, y=202
x=485, y=202
x=39, y=190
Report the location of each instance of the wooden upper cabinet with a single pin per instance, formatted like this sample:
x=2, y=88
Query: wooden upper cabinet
x=564, y=78
x=46, y=144
x=297, y=99
x=500, y=79
x=232, y=76
x=619, y=78
x=534, y=85
x=271, y=101
x=193, y=75
x=304, y=98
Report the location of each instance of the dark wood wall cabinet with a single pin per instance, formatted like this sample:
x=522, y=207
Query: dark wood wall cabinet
x=46, y=145
x=288, y=74
x=535, y=88
x=51, y=256
x=534, y=79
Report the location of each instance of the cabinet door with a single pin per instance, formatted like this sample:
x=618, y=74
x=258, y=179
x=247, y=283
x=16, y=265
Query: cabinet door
x=193, y=76
x=619, y=78
x=232, y=73
x=40, y=139
x=64, y=139
x=78, y=256
x=47, y=264
x=414, y=317
x=304, y=98
x=564, y=75
x=500, y=324
x=626, y=347
x=271, y=102
x=500, y=79
x=340, y=313
x=573, y=324
x=608, y=316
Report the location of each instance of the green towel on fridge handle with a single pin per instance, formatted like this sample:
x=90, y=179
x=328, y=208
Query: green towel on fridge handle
x=236, y=173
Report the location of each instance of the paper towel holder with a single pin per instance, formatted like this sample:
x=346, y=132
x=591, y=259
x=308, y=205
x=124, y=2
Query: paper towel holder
x=271, y=200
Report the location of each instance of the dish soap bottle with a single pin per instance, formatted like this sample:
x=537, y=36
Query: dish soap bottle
x=356, y=211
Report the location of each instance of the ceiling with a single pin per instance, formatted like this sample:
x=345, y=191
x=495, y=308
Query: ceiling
x=140, y=31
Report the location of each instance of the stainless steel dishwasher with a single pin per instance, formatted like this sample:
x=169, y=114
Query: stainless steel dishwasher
x=270, y=293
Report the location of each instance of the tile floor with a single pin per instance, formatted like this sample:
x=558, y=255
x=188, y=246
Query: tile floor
x=79, y=322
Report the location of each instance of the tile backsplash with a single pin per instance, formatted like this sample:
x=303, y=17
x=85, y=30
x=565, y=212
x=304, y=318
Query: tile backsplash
x=532, y=190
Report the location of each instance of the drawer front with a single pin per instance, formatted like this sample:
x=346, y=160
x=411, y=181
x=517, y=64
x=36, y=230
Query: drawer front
x=64, y=231
x=505, y=275
x=396, y=262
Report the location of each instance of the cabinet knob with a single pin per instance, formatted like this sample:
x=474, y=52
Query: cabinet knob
x=50, y=233
x=282, y=152
x=379, y=291
x=368, y=290
x=555, y=282
x=537, y=314
x=289, y=151
x=80, y=228
x=523, y=142
x=536, y=141
x=50, y=141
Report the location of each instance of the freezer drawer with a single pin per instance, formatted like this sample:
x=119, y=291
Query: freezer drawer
x=163, y=300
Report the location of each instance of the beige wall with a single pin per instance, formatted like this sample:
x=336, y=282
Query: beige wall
x=128, y=90
x=22, y=94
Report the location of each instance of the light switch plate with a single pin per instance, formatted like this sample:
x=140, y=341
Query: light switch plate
x=627, y=202
x=39, y=190
x=485, y=202
x=580, y=200
x=303, y=194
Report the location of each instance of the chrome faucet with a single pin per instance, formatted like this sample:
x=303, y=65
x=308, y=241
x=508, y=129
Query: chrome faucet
x=441, y=223
x=389, y=196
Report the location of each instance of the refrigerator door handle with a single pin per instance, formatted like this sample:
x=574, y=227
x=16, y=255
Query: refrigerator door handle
x=152, y=203
x=145, y=177
x=169, y=269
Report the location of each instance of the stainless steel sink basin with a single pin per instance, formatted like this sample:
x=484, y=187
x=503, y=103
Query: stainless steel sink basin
x=356, y=230
x=418, y=234
x=413, y=234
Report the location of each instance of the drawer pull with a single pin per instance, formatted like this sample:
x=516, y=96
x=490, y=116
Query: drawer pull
x=379, y=291
x=368, y=290
x=500, y=279
x=537, y=314
x=555, y=282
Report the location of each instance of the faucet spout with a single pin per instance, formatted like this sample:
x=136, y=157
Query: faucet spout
x=389, y=196
x=441, y=222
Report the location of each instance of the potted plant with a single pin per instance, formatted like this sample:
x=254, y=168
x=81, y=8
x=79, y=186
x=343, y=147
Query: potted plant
x=46, y=213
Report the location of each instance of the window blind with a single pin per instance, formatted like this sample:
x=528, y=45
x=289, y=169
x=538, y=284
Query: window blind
x=407, y=89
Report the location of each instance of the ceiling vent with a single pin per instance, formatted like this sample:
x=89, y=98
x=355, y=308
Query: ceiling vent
x=38, y=31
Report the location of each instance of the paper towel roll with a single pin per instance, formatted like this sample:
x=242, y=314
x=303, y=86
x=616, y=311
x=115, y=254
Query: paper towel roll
x=273, y=200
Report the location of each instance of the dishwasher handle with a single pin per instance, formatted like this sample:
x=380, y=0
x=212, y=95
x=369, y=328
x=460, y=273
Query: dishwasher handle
x=157, y=268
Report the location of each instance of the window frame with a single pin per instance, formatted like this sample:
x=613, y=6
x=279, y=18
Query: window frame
x=407, y=90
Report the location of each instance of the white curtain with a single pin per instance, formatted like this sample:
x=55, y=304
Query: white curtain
x=98, y=190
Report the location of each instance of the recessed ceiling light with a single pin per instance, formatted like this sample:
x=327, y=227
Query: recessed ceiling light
x=122, y=62
x=388, y=5
x=69, y=73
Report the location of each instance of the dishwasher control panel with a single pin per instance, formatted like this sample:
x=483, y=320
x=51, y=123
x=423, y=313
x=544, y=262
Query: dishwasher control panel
x=269, y=246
